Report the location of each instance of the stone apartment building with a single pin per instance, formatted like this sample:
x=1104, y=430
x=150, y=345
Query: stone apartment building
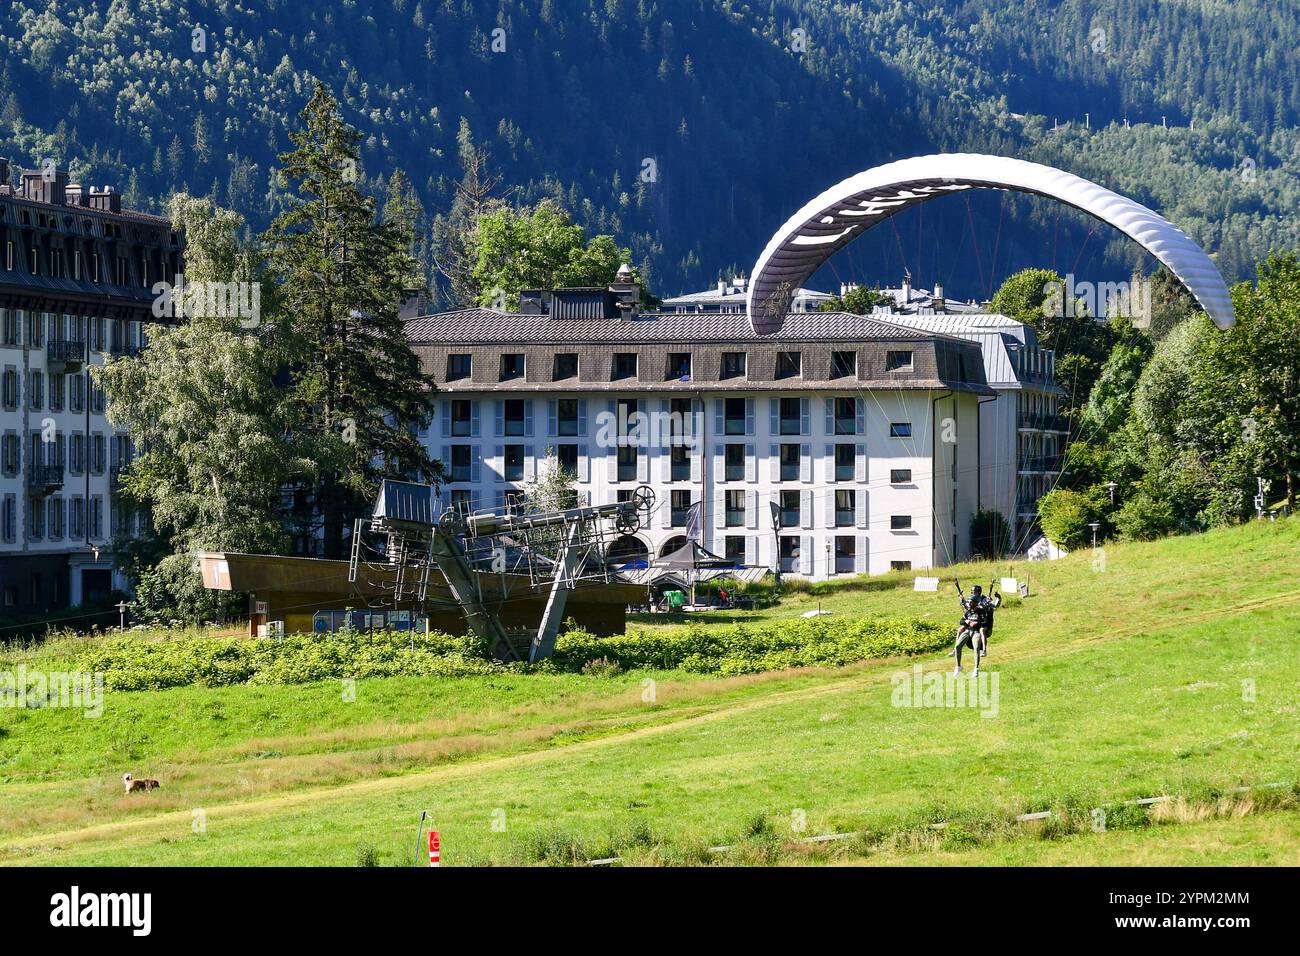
x=75, y=276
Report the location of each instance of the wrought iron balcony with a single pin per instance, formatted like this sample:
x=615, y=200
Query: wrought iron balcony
x=44, y=478
x=65, y=352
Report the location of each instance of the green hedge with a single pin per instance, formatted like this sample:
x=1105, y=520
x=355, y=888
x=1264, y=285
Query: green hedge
x=129, y=663
x=746, y=649
x=132, y=664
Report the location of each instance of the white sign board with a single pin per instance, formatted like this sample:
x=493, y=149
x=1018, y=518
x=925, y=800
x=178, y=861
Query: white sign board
x=926, y=584
x=1010, y=586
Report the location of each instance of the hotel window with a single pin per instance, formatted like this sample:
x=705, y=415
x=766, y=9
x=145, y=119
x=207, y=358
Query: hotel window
x=512, y=366
x=56, y=263
x=845, y=510
x=9, y=256
x=844, y=364
x=733, y=365
x=680, y=463
x=459, y=367
x=846, y=554
x=790, y=463
x=567, y=456
x=514, y=414
x=789, y=553
x=36, y=390
x=734, y=466
x=10, y=397
x=900, y=565
x=791, y=416
x=735, y=502
x=845, y=463
x=789, y=502
x=566, y=366
x=900, y=522
x=681, y=419
x=900, y=476
x=900, y=429
x=12, y=329
x=624, y=366
x=627, y=463
x=56, y=391
x=33, y=262
x=566, y=416
x=513, y=465
x=734, y=422
x=898, y=361
x=679, y=366
x=462, y=417
x=460, y=462
x=628, y=419
x=846, y=416
x=789, y=364
x=734, y=548
x=461, y=500
x=680, y=505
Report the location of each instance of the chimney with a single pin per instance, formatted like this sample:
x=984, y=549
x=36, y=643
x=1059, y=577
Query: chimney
x=907, y=287
x=105, y=198
x=75, y=195
x=625, y=292
x=38, y=188
x=4, y=172
x=937, y=299
x=722, y=286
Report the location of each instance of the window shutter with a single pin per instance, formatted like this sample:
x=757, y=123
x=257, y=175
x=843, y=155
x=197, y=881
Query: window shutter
x=584, y=463
x=582, y=417
x=499, y=416
x=830, y=415
x=807, y=560
x=830, y=508
x=552, y=418
x=530, y=461
x=720, y=511
x=499, y=456
x=806, y=508
x=860, y=414
x=751, y=464
x=805, y=416
x=444, y=410
x=774, y=407
x=528, y=418
x=860, y=502
x=665, y=463
x=611, y=464
x=719, y=417
x=697, y=465
x=643, y=466
x=860, y=557
x=719, y=462
x=751, y=550
x=474, y=418
x=805, y=464
x=749, y=416
x=475, y=458
x=860, y=463
x=774, y=463
x=830, y=464
x=751, y=509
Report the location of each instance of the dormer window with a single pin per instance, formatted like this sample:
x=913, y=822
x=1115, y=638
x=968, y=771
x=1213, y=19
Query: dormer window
x=789, y=364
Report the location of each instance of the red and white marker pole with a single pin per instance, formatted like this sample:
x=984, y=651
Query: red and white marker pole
x=435, y=849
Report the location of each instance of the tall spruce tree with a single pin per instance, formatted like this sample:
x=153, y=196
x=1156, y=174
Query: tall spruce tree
x=357, y=389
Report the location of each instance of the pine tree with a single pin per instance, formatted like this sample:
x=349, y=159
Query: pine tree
x=358, y=390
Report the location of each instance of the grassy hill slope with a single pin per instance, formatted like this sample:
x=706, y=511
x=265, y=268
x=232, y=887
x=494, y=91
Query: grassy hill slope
x=1118, y=679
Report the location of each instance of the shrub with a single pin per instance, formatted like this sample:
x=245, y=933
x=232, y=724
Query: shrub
x=747, y=648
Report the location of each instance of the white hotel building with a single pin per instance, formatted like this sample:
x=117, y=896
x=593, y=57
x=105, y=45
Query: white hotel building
x=861, y=435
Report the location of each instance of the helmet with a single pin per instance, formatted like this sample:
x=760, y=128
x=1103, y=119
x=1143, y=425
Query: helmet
x=976, y=590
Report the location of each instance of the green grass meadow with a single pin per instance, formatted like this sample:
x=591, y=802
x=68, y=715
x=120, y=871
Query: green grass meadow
x=1165, y=668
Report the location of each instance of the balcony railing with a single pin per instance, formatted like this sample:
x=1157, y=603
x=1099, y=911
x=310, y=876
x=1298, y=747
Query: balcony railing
x=1046, y=464
x=123, y=350
x=1048, y=423
x=45, y=477
x=66, y=352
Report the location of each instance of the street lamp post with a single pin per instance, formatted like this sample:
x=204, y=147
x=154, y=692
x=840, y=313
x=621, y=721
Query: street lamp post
x=1094, y=525
x=1111, y=486
x=121, y=615
x=829, y=569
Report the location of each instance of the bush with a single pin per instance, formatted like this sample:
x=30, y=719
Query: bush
x=747, y=648
x=1065, y=515
x=174, y=591
x=131, y=664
